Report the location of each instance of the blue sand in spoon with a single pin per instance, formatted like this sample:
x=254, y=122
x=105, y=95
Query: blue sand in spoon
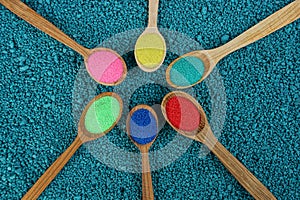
x=143, y=126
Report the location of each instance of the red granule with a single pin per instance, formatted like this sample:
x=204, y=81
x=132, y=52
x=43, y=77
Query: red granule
x=182, y=113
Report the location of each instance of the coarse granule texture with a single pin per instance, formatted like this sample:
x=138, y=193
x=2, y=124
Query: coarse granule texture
x=150, y=50
x=38, y=74
x=102, y=115
x=105, y=66
x=187, y=71
x=182, y=113
x=143, y=126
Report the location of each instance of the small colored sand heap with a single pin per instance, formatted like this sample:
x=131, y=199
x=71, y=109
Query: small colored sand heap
x=182, y=113
x=143, y=126
x=186, y=71
x=105, y=66
x=102, y=114
x=150, y=51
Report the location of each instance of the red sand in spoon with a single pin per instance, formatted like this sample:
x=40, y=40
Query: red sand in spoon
x=182, y=114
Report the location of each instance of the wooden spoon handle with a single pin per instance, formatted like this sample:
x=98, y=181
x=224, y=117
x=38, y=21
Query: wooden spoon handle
x=52, y=171
x=238, y=170
x=153, y=12
x=33, y=18
x=279, y=19
x=146, y=178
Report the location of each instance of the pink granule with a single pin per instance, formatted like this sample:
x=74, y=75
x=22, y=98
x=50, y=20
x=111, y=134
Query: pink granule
x=105, y=66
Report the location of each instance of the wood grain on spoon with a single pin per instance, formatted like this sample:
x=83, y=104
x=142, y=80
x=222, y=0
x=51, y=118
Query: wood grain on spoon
x=29, y=15
x=104, y=65
x=150, y=47
x=147, y=187
x=274, y=22
x=204, y=135
x=83, y=136
x=210, y=58
x=153, y=13
x=236, y=168
x=52, y=171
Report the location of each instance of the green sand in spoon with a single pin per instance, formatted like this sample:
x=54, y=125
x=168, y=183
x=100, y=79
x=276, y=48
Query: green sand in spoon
x=187, y=71
x=102, y=114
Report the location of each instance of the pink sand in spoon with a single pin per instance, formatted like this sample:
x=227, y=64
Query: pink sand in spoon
x=105, y=66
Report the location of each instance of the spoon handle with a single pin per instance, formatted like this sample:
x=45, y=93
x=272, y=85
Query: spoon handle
x=279, y=19
x=33, y=18
x=238, y=170
x=52, y=171
x=146, y=178
x=153, y=12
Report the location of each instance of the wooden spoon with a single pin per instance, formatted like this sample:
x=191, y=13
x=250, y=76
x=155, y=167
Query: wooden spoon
x=192, y=68
x=108, y=107
x=187, y=117
x=150, y=48
x=142, y=128
x=104, y=65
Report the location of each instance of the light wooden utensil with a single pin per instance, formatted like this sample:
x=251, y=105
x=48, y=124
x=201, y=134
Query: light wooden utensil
x=108, y=56
x=150, y=56
x=210, y=58
x=205, y=135
x=83, y=136
x=147, y=186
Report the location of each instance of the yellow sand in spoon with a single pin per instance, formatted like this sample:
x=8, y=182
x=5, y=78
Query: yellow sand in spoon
x=150, y=47
x=150, y=51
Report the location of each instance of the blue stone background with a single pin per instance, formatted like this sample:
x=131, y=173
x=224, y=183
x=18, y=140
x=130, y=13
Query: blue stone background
x=37, y=75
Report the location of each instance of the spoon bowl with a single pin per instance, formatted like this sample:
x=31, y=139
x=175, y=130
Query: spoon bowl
x=104, y=65
x=98, y=118
x=192, y=68
x=150, y=47
x=142, y=128
x=186, y=116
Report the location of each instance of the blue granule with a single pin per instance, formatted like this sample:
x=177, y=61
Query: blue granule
x=143, y=126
